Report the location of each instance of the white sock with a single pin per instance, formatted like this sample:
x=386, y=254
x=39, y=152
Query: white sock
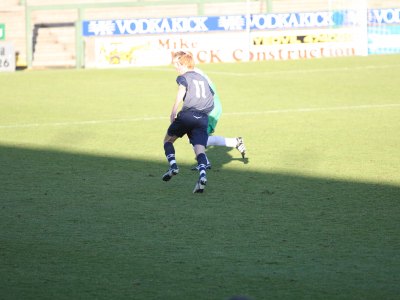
x=230, y=142
x=221, y=141
x=216, y=141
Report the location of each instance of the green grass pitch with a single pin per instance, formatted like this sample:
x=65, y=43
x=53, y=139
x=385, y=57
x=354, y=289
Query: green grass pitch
x=312, y=213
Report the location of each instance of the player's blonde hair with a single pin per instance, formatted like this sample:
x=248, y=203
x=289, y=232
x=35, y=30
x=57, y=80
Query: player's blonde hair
x=184, y=58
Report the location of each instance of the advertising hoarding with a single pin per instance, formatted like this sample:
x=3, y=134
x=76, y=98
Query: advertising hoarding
x=7, y=57
x=384, y=31
x=198, y=24
x=258, y=37
x=156, y=50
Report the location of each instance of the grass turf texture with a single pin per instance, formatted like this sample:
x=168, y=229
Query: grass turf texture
x=312, y=214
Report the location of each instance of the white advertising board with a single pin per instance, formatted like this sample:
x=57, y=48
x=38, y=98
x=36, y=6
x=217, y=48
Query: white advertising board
x=7, y=57
x=157, y=50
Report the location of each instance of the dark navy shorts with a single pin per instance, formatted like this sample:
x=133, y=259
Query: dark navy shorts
x=194, y=124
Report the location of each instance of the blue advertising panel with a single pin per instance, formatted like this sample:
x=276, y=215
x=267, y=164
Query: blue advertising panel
x=216, y=23
x=384, y=16
x=384, y=31
x=384, y=39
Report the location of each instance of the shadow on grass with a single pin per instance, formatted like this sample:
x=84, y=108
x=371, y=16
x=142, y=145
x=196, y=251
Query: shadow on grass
x=220, y=156
x=76, y=226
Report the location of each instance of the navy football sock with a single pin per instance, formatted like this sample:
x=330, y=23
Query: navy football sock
x=202, y=162
x=170, y=154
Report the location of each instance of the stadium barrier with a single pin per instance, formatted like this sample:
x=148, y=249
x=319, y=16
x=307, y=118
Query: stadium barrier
x=81, y=10
x=340, y=31
x=52, y=28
